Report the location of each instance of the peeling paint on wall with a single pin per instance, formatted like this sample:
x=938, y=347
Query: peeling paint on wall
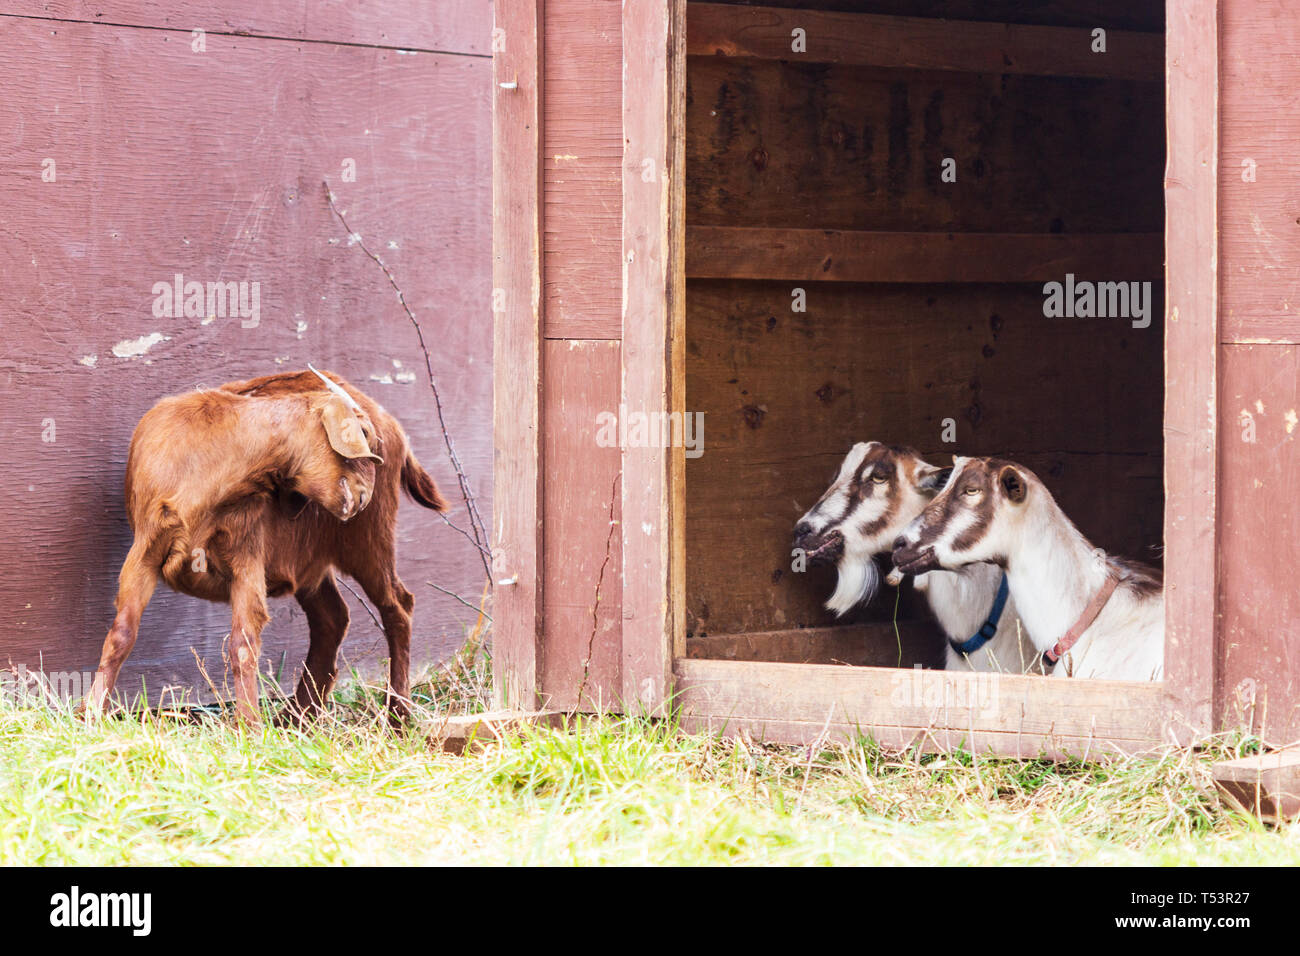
x=133, y=348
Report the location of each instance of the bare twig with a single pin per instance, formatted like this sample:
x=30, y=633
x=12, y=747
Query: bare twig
x=479, y=530
x=457, y=528
x=362, y=601
x=477, y=610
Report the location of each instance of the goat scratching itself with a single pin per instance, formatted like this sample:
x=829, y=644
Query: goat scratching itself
x=260, y=489
x=1105, y=616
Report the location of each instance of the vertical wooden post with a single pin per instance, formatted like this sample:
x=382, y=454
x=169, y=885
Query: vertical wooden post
x=677, y=328
x=649, y=173
x=1191, y=351
x=516, y=354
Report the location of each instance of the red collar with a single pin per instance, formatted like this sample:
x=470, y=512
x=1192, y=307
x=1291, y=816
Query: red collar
x=1085, y=620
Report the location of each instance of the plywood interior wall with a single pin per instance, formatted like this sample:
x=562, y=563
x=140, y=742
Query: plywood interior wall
x=781, y=144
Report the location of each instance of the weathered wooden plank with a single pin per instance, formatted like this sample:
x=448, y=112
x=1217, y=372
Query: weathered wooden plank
x=1191, y=335
x=894, y=42
x=812, y=255
x=864, y=645
x=783, y=145
x=678, y=97
x=147, y=186
x=973, y=707
x=896, y=738
x=1142, y=15
x=461, y=27
x=1258, y=677
x=582, y=106
x=516, y=278
x=1259, y=198
x=1267, y=785
x=647, y=255
x=897, y=360
x=582, y=571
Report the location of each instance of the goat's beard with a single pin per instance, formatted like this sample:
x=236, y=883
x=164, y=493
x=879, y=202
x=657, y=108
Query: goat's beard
x=857, y=583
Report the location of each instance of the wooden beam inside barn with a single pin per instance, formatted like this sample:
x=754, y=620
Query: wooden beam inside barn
x=920, y=43
x=872, y=644
x=829, y=255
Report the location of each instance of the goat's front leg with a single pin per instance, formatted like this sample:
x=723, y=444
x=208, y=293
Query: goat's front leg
x=248, y=616
x=135, y=586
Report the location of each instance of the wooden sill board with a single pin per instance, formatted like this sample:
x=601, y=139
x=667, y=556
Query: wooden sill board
x=1266, y=785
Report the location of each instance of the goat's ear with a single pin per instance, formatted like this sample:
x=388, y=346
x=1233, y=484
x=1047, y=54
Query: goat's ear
x=345, y=432
x=931, y=478
x=1013, y=484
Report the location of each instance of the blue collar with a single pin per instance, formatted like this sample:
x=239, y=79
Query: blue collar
x=990, y=626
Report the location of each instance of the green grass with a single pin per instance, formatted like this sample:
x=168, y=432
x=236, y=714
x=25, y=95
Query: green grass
x=146, y=789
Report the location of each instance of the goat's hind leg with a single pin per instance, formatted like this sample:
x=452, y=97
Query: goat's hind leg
x=327, y=621
x=135, y=585
x=248, y=616
x=394, y=604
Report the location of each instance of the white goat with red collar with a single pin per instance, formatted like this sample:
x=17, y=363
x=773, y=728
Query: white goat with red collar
x=1088, y=614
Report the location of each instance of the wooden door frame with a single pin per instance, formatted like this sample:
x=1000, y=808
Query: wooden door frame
x=516, y=352
x=798, y=702
x=1014, y=715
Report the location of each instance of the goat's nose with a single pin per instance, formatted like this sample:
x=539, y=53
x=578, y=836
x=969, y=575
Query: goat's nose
x=802, y=528
x=899, y=542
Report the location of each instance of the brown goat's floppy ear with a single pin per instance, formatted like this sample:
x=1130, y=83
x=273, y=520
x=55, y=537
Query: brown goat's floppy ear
x=344, y=431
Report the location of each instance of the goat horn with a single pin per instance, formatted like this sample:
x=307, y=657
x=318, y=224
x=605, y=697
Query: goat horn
x=337, y=390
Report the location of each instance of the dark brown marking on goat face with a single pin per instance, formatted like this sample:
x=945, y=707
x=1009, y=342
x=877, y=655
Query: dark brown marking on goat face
x=969, y=501
x=967, y=492
x=877, y=475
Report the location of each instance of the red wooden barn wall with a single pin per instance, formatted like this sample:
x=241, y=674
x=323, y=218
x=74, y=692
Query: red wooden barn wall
x=1258, y=676
x=168, y=160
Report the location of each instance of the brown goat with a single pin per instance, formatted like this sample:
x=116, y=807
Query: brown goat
x=262, y=488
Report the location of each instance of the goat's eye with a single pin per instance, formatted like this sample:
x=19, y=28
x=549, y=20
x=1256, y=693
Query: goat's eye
x=879, y=479
x=971, y=491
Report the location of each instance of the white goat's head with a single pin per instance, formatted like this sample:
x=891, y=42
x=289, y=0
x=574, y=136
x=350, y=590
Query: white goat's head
x=976, y=517
x=878, y=491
